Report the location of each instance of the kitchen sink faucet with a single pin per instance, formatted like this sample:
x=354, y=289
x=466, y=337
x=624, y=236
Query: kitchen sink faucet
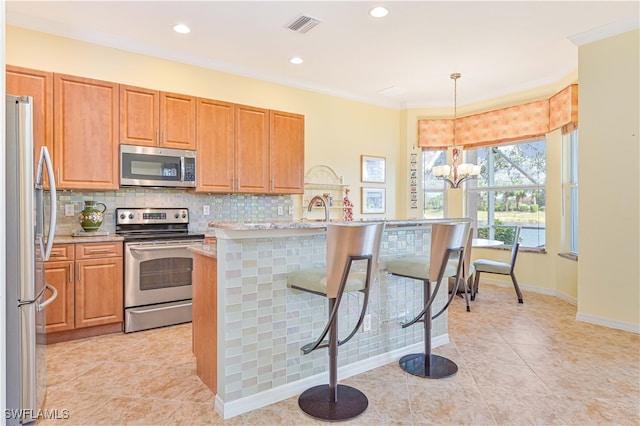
x=324, y=202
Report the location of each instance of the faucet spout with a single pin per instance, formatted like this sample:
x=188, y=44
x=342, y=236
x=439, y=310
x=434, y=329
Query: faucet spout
x=322, y=201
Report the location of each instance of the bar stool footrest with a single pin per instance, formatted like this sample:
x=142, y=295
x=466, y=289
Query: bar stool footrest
x=429, y=366
x=317, y=402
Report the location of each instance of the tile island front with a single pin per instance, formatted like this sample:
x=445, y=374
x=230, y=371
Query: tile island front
x=248, y=326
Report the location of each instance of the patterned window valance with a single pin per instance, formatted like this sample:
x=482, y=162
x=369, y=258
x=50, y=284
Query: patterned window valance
x=563, y=109
x=435, y=134
x=520, y=122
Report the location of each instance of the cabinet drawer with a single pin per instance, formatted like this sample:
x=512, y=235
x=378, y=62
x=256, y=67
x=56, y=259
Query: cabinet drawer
x=61, y=252
x=98, y=250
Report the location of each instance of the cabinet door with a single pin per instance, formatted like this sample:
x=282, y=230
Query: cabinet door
x=38, y=85
x=99, y=292
x=214, y=137
x=178, y=121
x=85, y=133
x=286, y=146
x=252, y=149
x=60, y=313
x=139, y=116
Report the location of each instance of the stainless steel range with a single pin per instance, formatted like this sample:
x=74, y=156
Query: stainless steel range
x=157, y=266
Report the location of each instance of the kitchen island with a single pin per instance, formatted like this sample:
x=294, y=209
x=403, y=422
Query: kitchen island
x=251, y=326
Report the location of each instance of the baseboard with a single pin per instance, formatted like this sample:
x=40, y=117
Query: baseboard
x=532, y=289
x=270, y=396
x=569, y=299
x=607, y=322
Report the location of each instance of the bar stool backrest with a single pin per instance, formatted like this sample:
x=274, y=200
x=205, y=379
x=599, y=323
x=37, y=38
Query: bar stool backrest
x=445, y=236
x=344, y=240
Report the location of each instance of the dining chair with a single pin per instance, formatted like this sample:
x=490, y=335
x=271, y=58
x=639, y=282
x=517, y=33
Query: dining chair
x=347, y=244
x=447, y=241
x=501, y=268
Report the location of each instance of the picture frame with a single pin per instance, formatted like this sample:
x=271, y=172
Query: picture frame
x=372, y=169
x=373, y=200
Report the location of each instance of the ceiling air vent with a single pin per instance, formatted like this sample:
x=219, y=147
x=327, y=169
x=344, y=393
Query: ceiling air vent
x=302, y=23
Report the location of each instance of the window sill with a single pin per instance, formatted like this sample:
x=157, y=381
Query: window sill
x=542, y=250
x=570, y=256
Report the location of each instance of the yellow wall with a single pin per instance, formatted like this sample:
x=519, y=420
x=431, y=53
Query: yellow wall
x=337, y=131
x=609, y=180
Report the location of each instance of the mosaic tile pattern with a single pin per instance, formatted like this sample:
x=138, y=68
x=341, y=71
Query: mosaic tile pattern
x=518, y=364
x=268, y=323
x=223, y=207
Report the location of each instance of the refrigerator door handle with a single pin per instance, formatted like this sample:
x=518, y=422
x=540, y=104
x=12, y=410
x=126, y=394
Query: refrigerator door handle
x=54, y=296
x=45, y=159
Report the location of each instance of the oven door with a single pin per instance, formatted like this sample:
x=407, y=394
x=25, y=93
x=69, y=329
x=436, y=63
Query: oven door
x=157, y=272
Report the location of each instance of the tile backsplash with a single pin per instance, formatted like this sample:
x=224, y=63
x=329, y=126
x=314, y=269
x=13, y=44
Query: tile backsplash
x=223, y=207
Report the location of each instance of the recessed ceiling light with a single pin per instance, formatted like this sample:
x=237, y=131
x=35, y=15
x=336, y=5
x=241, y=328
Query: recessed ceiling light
x=379, y=12
x=296, y=60
x=181, y=28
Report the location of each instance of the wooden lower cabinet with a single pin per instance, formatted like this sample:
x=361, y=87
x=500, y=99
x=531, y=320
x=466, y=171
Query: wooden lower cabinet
x=98, y=292
x=60, y=313
x=89, y=281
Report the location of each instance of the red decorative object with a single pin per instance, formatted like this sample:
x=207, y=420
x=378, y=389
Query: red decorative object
x=348, y=207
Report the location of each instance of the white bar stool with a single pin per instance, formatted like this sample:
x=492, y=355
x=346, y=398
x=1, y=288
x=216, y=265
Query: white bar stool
x=346, y=244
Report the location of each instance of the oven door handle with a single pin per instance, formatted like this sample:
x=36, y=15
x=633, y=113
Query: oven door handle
x=172, y=247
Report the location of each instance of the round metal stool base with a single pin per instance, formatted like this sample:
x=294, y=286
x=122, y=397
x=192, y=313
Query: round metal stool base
x=316, y=402
x=432, y=366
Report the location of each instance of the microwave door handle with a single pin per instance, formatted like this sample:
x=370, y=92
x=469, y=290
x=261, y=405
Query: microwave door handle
x=181, y=169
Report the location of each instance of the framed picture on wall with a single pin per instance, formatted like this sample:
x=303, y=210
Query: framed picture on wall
x=373, y=200
x=372, y=169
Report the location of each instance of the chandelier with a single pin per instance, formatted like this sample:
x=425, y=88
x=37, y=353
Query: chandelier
x=456, y=173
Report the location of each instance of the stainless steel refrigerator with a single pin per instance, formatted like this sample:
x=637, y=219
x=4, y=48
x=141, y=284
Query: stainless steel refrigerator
x=27, y=247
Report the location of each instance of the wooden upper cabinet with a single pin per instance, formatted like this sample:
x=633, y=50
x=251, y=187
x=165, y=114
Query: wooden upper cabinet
x=139, y=116
x=215, y=146
x=85, y=145
x=177, y=121
x=252, y=149
x=286, y=146
x=39, y=85
x=152, y=118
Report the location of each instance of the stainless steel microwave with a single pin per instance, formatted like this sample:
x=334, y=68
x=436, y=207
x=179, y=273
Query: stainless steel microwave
x=150, y=166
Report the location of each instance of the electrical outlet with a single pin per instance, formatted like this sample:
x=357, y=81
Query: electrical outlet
x=280, y=210
x=366, y=323
x=290, y=209
x=206, y=210
x=69, y=210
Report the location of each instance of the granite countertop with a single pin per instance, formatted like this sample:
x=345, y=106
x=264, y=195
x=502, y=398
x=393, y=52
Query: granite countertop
x=70, y=239
x=209, y=250
x=310, y=224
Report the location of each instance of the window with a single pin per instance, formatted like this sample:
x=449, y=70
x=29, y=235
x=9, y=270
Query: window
x=433, y=189
x=510, y=191
x=573, y=190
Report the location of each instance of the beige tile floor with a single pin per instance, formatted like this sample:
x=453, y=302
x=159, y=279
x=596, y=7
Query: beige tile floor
x=518, y=364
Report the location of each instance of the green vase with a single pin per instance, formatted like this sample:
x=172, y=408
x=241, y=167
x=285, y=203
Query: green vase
x=92, y=216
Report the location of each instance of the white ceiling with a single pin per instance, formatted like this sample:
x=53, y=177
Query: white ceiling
x=499, y=47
